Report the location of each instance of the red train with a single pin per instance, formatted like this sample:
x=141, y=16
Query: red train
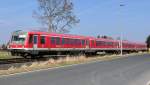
x=36, y=43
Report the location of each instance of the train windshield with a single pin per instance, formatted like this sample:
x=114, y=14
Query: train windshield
x=18, y=39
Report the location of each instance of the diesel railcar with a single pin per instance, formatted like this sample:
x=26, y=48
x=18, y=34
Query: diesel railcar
x=37, y=43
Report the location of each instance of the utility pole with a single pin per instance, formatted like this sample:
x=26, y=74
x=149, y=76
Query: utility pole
x=121, y=44
x=121, y=39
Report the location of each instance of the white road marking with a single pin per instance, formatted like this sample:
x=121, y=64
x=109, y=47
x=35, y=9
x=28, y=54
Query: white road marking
x=148, y=83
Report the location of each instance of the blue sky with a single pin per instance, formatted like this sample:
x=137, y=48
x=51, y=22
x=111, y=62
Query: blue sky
x=103, y=17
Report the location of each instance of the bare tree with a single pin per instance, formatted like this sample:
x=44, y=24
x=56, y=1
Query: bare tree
x=56, y=15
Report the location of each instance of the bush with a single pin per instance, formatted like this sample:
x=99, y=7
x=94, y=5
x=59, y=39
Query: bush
x=4, y=47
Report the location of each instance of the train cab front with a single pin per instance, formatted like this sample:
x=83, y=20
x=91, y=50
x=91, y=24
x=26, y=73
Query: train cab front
x=17, y=42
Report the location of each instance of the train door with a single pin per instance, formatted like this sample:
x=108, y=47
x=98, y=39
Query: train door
x=92, y=43
x=35, y=42
x=87, y=43
x=43, y=41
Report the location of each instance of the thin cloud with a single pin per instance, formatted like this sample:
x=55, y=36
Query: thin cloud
x=7, y=24
x=1, y=22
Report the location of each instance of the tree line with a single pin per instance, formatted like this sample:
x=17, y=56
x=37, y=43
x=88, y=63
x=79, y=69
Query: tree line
x=3, y=47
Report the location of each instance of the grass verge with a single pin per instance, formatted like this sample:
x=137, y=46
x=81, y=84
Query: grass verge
x=5, y=55
x=51, y=63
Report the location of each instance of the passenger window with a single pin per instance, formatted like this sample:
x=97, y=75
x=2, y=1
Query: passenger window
x=72, y=41
x=100, y=43
x=66, y=40
x=97, y=43
x=42, y=39
x=109, y=43
x=63, y=41
x=35, y=39
x=30, y=38
x=83, y=42
x=52, y=40
x=57, y=40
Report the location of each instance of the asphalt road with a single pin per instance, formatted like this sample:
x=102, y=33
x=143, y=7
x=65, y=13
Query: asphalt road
x=133, y=70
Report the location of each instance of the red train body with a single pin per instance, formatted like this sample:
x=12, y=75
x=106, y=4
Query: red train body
x=43, y=43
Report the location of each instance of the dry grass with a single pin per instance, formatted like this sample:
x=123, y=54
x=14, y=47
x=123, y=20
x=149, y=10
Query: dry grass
x=4, y=55
x=7, y=55
x=60, y=62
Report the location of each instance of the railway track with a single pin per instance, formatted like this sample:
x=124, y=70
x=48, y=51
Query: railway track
x=13, y=60
x=18, y=62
